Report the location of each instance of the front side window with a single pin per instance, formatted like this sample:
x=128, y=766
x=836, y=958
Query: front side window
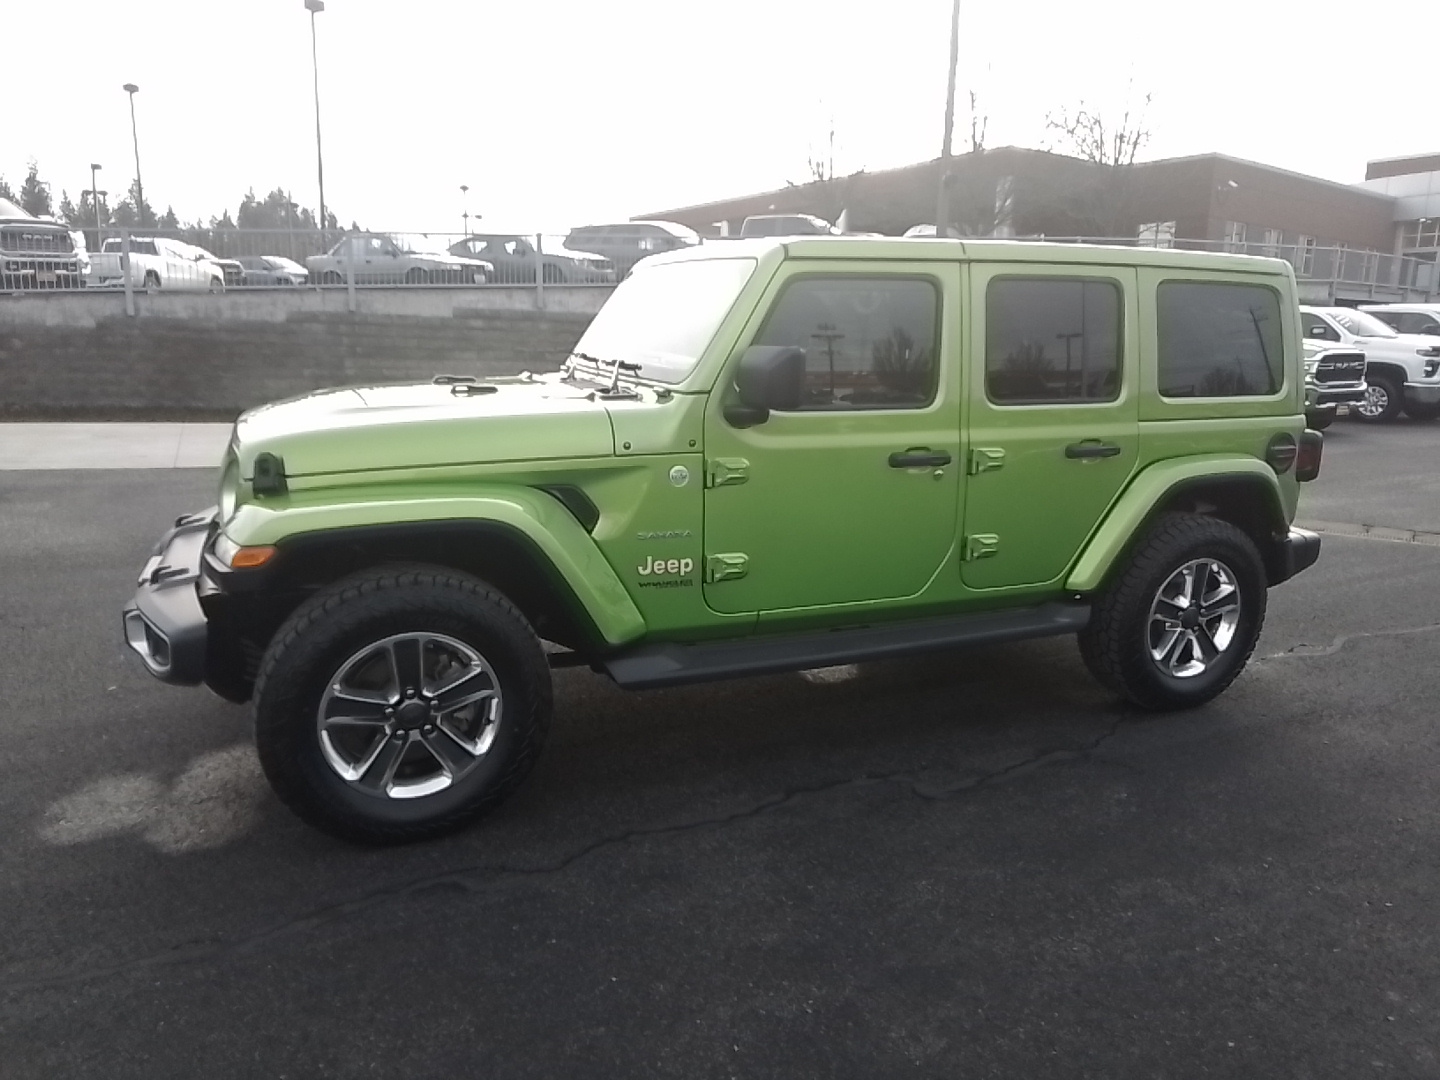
x=870, y=343
x=1316, y=327
x=1219, y=340
x=1363, y=324
x=1052, y=340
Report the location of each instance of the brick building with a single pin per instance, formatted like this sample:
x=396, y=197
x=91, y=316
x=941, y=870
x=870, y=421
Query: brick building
x=1378, y=239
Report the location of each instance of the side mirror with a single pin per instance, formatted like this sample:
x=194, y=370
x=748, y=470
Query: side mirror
x=770, y=377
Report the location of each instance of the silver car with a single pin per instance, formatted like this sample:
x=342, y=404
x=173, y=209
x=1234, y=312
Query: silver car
x=375, y=259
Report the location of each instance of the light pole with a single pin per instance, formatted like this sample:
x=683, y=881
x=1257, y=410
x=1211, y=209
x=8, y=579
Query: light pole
x=464, y=209
x=95, y=200
x=315, y=6
x=942, y=209
x=131, y=89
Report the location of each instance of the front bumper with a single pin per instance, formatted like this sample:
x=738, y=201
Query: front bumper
x=164, y=622
x=1320, y=394
x=1297, y=552
x=1422, y=393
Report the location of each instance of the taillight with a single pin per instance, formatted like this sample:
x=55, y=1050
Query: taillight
x=1307, y=461
x=1281, y=451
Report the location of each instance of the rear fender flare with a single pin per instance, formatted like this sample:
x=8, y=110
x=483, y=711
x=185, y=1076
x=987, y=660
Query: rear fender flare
x=1151, y=489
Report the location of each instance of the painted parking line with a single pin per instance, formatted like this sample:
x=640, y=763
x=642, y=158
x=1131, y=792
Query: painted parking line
x=25, y=446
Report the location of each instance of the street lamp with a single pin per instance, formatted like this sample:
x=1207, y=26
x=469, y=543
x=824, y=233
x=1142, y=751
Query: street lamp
x=131, y=89
x=314, y=7
x=95, y=199
x=464, y=209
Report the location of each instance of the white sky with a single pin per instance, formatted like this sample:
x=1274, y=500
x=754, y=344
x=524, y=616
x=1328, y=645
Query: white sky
x=562, y=112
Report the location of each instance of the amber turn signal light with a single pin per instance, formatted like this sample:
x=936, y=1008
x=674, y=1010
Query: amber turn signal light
x=247, y=558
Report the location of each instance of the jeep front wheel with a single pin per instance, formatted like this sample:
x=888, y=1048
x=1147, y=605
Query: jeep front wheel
x=401, y=705
x=1179, y=622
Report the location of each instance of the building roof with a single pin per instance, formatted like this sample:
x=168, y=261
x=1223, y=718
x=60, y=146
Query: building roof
x=1379, y=168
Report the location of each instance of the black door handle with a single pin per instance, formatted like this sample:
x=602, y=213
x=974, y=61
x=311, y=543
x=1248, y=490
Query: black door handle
x=1091, y=450
x=918, y=457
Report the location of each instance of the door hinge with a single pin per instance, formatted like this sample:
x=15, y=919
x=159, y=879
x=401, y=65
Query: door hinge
x=981, y=546
x=986, y=459
x=723, y=472
x=726, y=567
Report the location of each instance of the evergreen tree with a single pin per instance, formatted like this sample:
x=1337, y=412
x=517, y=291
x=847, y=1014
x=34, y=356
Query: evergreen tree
x=169, y=221
x=6, y=191
x=131, y=212
x=35, y=194
x=69, y=212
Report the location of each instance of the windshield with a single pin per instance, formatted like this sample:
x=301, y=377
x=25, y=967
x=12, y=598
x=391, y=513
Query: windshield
x=662, y=317
x=1362, y=324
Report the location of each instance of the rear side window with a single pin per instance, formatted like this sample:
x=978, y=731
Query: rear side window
x=1052, y=340
x=869, y=342
x=1219, y=340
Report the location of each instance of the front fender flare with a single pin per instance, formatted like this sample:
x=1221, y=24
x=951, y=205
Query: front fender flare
x=1148, y=490
x=536, y=515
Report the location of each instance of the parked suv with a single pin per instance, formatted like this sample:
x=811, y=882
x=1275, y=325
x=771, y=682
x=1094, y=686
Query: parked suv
x=761, y=457
x=627, y=242
x=1402, y=371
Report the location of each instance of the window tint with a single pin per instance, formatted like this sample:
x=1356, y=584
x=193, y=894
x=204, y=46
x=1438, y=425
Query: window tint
x=869, y=342
x=1052, y=340
x=1219, y=340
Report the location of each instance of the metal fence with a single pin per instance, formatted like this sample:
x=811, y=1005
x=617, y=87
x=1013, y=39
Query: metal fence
x=156, y=260
x=160, y=260
x=1349, y=273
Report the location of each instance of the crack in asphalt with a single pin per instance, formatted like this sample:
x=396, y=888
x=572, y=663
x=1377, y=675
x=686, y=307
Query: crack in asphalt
x=1305, y=649
x=474, y=879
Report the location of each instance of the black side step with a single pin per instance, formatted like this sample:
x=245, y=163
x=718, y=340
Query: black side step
x=649, y=666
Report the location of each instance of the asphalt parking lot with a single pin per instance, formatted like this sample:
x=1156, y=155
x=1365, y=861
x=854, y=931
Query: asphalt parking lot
x=970, y=865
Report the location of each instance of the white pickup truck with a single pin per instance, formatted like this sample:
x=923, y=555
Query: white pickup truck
x=156, y=263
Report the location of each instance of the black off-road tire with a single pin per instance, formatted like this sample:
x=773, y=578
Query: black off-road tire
x=1385, y=388
x=331, y=626
x=1422, y=411
x=1115, y=644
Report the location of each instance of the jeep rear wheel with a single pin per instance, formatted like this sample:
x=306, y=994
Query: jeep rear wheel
x=1179, y=622
x=401, y=705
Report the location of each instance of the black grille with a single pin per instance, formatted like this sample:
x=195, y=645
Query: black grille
x=1340, y=369
x=35, y=240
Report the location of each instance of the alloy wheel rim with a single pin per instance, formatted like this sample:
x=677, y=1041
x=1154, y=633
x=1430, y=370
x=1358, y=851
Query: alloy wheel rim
x=1193, y=618
x=1377, y=399
x=409, y=715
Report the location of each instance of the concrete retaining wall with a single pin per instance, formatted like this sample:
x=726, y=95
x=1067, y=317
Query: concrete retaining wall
x=197, y=356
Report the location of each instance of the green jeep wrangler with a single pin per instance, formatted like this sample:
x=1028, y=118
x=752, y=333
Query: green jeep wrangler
x=762, y=456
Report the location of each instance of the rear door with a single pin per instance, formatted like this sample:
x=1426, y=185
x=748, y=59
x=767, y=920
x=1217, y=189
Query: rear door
x=1053, y=415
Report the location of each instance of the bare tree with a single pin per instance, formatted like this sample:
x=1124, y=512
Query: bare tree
x=1088, y=135
x=978, y=124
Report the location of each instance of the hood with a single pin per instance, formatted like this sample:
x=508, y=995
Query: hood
x=414, y=426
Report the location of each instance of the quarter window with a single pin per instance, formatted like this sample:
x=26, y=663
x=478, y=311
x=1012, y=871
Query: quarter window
x=870, y=343
x=1219, y=340
x=1052, y=340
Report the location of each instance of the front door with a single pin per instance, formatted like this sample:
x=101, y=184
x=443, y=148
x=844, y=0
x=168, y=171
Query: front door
x=1053, y=415
x=852, y=497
